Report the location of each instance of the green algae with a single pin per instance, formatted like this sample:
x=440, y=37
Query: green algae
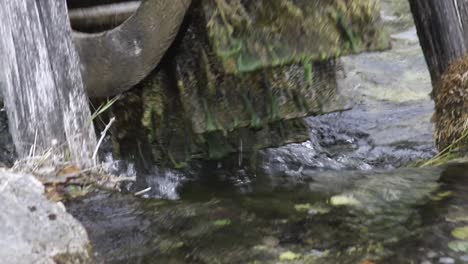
x=154, y=112
x=222, y=222
x=460, y=232
x=251, y=99
x=458, y=245
x=344, y=200
x=289, y=255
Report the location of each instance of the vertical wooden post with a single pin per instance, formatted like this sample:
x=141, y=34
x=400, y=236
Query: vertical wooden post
x=41, y=81
x=442, y=27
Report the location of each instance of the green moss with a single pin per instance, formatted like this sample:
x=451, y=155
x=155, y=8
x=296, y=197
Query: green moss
x=460, y=233
x=210, y=121
x=222, y=222
x=458, y=246
x=250, y=35
x=309, y=76
x=273, y=110
x=255, y=121
x=290, y=256
x=228, y=101
x=244, y=73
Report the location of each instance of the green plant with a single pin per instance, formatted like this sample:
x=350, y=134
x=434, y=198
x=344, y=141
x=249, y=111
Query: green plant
x=104, y=107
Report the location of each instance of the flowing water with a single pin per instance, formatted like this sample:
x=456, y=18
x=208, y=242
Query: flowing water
x=391, y=216
x=344, y=196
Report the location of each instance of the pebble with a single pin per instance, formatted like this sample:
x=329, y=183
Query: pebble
x=270, y=241
x=464, y=258
x=431, y=254
x=318, y=253
x=446, y=260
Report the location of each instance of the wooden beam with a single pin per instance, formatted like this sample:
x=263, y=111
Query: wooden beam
x=442, y=29
x=102, y=17
x=72, y=4
x=41, y=81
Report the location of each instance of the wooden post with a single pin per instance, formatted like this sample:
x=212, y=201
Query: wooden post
x=41, y=81
x=442, y=29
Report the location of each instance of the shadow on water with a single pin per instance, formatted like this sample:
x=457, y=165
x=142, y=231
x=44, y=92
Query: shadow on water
x=398, y=216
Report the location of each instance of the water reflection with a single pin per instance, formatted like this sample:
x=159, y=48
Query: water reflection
x=398, y=216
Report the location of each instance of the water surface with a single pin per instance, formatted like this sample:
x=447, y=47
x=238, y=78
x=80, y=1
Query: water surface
x=397, y=216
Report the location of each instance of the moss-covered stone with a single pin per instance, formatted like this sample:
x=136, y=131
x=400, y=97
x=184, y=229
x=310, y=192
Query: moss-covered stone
x=152, y=123
x=250, y=35
x=210, y=98
x=219, y=100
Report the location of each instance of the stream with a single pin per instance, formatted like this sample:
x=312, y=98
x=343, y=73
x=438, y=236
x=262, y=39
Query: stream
x=389, y=216
x=350, y=194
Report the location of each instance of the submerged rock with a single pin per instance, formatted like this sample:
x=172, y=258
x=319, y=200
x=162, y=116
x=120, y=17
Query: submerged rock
x=35, y=230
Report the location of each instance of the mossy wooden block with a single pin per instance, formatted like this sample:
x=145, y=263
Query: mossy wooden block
x=249, y=35
x=169, y=131
x=219, y=100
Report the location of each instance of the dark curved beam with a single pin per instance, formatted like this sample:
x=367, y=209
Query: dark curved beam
x=72, y=4
x=101, y=18
x=116, y=60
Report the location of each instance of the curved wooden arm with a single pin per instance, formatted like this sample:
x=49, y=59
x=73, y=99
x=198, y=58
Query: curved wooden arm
x=114, y=61
x=104, y=17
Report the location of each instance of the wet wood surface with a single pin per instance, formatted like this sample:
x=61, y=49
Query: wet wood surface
x=443, y=32
x=41, y=82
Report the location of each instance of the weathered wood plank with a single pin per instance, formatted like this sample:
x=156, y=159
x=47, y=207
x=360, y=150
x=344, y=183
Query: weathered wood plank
x=41, y=81
x=442, y=32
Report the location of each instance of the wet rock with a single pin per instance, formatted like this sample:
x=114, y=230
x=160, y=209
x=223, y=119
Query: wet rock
x=410, y=36
x=289, y=255
x=235, y=82
x=446, y=260
x=270, y=241
x=396, y=15
x=431, y=254
x=389, y=125
x=458, y=246
x=35, y=230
